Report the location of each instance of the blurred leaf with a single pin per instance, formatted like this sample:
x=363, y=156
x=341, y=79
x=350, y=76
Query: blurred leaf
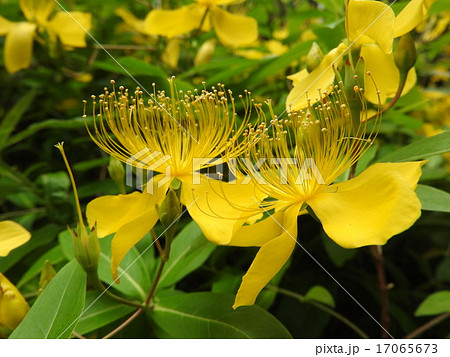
x=338, y=255
x=39, y=238
x=55, y=184
x=434, y=304
x=54, y=256
x=366, y=160
x=320, y=294
x=189, y=250
x=49, y=124
x=59, y=306
x=12, y=118
x=133, y=66
x=210, y=315
x=134, y=276
x=421, y=149
x=100, y=312
x=433, y=199
x=280, y=63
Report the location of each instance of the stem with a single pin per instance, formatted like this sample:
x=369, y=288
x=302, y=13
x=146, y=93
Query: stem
x=322, y=307
x=158, y=245
x=126, y=47
x=124, y=324
x=201, y=23
x=428, y=325
x=394, y=100
x=78, y=335
x=146, y=303
x=96, y=283
x=383, y=288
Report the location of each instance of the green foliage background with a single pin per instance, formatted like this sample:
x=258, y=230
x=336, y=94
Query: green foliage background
x=41, y=106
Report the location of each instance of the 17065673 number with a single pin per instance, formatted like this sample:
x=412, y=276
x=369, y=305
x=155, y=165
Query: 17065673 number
x=407, y=348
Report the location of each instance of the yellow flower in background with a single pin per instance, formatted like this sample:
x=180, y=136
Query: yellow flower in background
x=175, y=136
x=274, y=48
x=303, y=156
x=13, y=306
x=371, y=26
x=232, y=30
x=20, y=35
x=12, y=235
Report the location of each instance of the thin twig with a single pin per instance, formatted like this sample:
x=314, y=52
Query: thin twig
x=428, y=325
x=383, y=288
x=392, y=102
x=322, y=307
x=158, y=245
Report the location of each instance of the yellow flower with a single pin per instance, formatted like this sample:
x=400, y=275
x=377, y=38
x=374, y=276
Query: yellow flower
x=176, y=136
x=371, y=27
x=232, y=30
x=12, y=235
x=318, y=145
x=274, y=47
x=13, y=306
x=20, y=35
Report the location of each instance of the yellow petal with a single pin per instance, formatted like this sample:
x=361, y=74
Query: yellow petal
x=37, y=10
x=269, y=260
x=132, y=232
x=131, y=20
x=369, y=22
x=411, y=15
x=71, y=28
x=210, y=204
x=12, y=235
x=171, y=53
x=298, y=77
x=112, y=212
x=5, y=26
x=410, y=171
x=216, y=2
x=258, y=234
x=233, y=30
x=13, y=306
x=371, y=208
x=205, y=52
x=385, y=74
x=171, y=23
x=19, y=46
x=276, y=47
x=320, y=79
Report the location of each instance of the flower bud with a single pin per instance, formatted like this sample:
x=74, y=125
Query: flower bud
x=86, y=248
x=13, y=306
x=313, y=58
x=47, y=274
x=169, y=214
x=405, y=55
x=205, y=52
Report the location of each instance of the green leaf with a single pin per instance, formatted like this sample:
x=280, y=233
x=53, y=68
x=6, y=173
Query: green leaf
x=278, y=64
x=433, y=199
x=435, y=304
x=12, y=118
x=421, y=149
x=100, y=312
x=210, y=315
x=55, y=312
x=320, y=294
x=74, y=123
x=134, y=275
x=133, y=66
x=338, y=255
x=54, y=256
x=189, y=250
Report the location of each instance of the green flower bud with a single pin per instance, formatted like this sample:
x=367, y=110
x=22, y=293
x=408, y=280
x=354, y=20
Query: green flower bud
x=313, y=58
x=47, y=274
x=169, y=214
x=405, y=55
x=86, y=248
x=117, y=173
